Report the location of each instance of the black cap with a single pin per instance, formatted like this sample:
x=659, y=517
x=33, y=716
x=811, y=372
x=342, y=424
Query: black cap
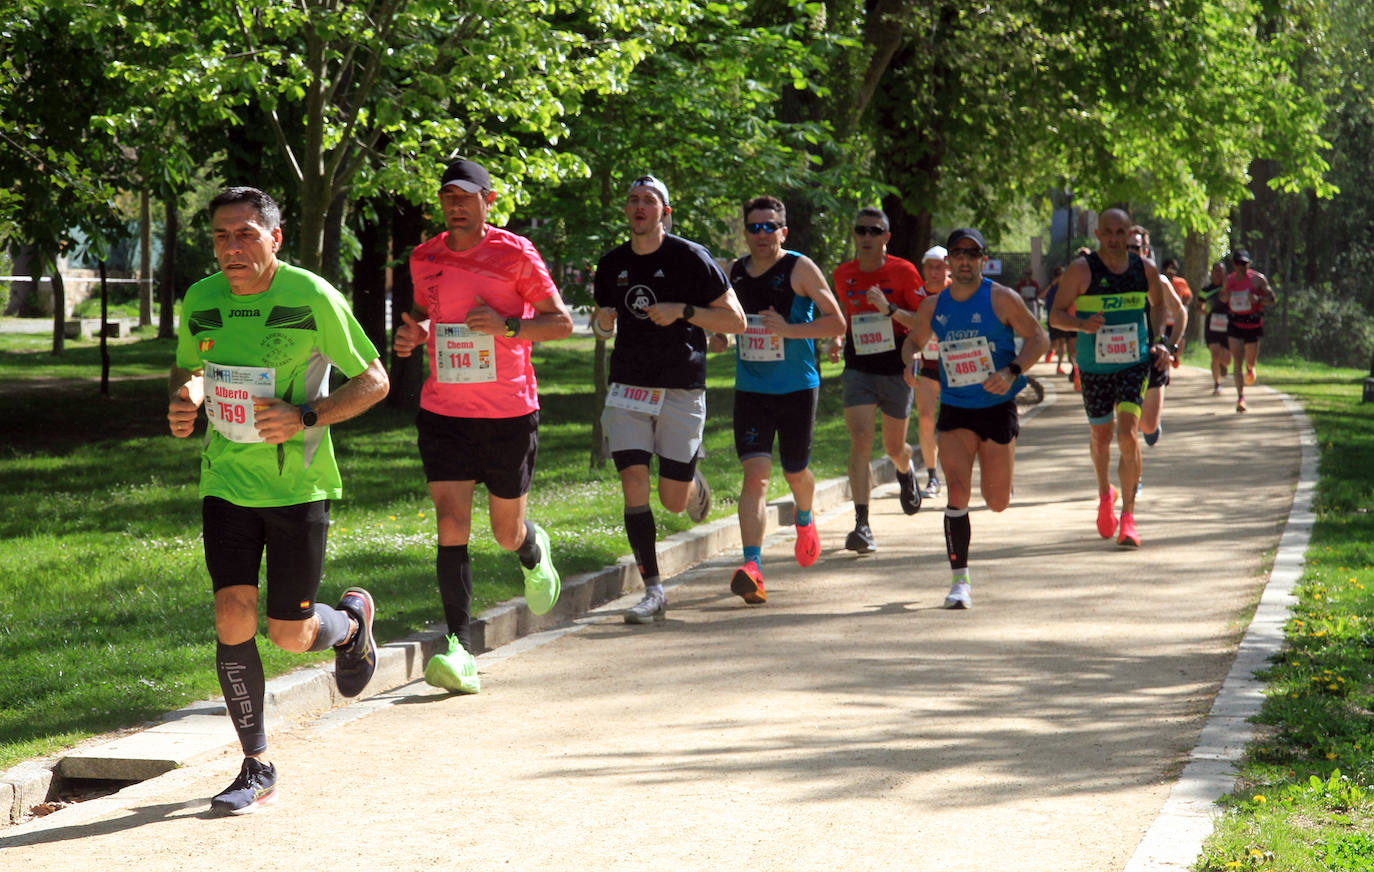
x=1240, y=255
x=468, y=175
x=966, y=233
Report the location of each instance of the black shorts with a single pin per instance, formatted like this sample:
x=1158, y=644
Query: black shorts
x=930, y=369
x=1068, y=335
x=997, y=423
x=498, y=452
x=293, y=536
x=1246, y=331
x=791, y=416
x=1215, y=337
x=1106, y=392
x=1158, y=377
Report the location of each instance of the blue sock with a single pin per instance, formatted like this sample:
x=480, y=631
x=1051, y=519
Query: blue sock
x=803, y=517
x=753, y=553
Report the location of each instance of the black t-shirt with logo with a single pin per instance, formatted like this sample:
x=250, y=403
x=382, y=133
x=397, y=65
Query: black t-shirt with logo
x=645, y=354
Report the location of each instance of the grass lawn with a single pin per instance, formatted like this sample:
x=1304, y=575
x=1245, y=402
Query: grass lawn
x=105, y=608
x=1304, y=801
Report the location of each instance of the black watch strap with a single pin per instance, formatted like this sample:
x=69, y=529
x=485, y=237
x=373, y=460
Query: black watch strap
x=688, y=310
x=1014, y=367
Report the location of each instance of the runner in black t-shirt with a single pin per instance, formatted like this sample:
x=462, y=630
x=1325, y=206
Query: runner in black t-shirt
x=664, y=293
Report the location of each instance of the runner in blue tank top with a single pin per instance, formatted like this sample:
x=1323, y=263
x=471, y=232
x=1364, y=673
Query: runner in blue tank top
x=788, y=306
x=976, y=322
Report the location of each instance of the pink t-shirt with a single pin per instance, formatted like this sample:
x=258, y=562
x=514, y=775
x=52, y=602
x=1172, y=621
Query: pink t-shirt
x=506, y=271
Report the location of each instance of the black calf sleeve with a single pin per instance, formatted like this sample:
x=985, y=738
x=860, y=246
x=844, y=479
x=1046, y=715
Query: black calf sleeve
x=643, y=536
x=240, y=677
x=958, y=532
x=454, y=572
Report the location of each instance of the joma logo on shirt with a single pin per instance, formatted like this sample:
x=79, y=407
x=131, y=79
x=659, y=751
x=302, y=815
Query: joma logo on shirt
x=244, y=313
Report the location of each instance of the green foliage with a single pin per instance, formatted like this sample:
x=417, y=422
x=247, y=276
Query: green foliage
x=1327, y=327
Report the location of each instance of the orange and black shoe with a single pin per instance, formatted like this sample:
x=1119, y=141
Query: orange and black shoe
x=747, y=582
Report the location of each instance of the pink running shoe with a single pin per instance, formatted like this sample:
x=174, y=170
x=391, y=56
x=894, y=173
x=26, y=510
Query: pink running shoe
x=748, y=583
x=808, y=544
x=1129, y=537
x=1106, y=513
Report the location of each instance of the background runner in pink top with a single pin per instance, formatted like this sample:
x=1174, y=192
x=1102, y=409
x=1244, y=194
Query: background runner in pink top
x=507, y=273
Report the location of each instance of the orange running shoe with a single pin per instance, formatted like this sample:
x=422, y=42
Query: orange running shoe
x=1240, y=404
x=1077, y=381
x=1106, y=513
x=808, y=544
x=748, y=583
x=1129, y=537
x=1250, y=375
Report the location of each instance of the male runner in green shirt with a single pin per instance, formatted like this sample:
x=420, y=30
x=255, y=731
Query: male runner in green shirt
x=255, y=346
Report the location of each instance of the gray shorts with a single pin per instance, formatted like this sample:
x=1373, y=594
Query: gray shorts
x=890, y=393
x=674, y=433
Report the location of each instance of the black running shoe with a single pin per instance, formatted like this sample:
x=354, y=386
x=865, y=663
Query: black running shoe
x=909, y=496
x=861, y=539
x=355, y=662
x=255, y=787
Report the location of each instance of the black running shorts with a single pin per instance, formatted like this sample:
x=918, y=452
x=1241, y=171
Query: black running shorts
x=998, y=423
x=293, y=537
x=498, y=452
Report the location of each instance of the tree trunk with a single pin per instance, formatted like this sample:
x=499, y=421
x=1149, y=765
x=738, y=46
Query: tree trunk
x=22, y=293
x=369, y=279
x=331, y=265
x=597, y=455
x=166, y=328
x=1197, y=270
x=145, y=259
x=407, y=373
x=104, y=333
x=59, y=304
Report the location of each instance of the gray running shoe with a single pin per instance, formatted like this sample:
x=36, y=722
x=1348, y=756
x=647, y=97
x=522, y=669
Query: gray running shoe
x=932, y=487
x=646, y=611
x=700, y=505
x=861, y=539
x=960, y=596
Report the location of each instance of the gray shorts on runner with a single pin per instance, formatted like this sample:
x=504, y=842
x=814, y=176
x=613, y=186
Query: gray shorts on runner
x=890, y=393
x=674, y=433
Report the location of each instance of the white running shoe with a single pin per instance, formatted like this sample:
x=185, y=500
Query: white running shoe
x=960, y=596
x=654, y=607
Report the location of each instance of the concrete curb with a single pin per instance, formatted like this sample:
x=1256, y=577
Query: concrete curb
x=201, y=731
x=1174, y=841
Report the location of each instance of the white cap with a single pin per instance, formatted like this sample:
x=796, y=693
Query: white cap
x=936, y=253
x=660, y=190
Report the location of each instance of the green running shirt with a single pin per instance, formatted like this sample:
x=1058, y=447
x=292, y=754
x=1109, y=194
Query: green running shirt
x=296, y=329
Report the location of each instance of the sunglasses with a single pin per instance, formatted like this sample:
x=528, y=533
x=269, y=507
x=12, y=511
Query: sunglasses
x=868, y=230
x=763, y=227
x=970, y=253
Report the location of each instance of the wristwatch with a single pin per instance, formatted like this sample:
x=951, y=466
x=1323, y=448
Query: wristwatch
x=1014, y=368
x=891, y=310
x=688, y=310
x=309, y=417
x=512, y=327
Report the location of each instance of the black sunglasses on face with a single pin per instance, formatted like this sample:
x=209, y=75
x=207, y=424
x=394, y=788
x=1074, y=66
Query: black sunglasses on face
x=971, y=253
x=868, y=230
x=763, y=227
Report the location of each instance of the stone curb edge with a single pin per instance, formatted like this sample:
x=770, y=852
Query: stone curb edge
x=200, y=731
x=1174, y=841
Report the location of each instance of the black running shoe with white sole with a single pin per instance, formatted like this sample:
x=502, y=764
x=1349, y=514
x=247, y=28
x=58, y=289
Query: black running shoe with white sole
x=355, y=661
x=255, y=787
x=908, y=495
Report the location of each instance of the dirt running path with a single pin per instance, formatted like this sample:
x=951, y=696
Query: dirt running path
x=848, y=723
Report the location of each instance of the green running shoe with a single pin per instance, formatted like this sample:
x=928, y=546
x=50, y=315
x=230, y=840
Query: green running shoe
x=542, y=584
x=455, y=671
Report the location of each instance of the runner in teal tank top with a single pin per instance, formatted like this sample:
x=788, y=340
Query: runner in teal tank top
x=1111, y=289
